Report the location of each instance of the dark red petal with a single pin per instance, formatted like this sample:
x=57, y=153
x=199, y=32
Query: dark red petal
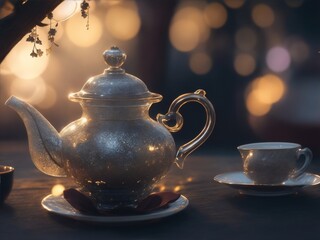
x=79, y=201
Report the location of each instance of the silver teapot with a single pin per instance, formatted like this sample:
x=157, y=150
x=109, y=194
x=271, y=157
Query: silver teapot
x=115, y=152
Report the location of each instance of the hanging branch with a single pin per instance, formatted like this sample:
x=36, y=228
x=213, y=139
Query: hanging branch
x=27, y=15
x=51, y=33
x=85, y=6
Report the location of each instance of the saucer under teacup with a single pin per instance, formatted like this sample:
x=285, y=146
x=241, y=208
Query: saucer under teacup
x=58, y=205
x=239, y=181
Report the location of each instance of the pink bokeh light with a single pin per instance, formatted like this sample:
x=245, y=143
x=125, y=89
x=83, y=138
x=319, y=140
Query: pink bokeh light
x=278, y=59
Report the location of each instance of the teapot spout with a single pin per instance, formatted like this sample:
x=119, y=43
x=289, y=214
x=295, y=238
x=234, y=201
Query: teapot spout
x=45, y=144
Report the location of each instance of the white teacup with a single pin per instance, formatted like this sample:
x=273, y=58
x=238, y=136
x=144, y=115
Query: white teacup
x=274, y=162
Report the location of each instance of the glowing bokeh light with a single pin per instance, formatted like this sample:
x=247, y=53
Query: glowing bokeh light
x=57, y=190
x=215, y=15
x=263, y=92
x=161, y=187
x=123, y=22
x=177, y=188
x=195, y=14
x=200, y=63
x=80, y=36
x=255, y=107
x=184, y=35
x=246, y=39
x=234, y=3
x=189, y=179
x=50, y=98
x=188, y=29
x=244, y=64
x=21, y=64
x=269, y=88
x=31, y=90
x=278, y=59
x=65, y=10
x=263, y=15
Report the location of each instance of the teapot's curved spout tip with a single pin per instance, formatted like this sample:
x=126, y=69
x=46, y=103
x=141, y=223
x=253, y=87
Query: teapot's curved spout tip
x=179, y=162
x=11, y=101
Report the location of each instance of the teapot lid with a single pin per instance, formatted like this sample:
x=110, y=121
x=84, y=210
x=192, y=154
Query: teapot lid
x=114, y=83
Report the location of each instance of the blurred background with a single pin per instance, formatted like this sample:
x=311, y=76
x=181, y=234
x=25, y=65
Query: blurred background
x=258, y=61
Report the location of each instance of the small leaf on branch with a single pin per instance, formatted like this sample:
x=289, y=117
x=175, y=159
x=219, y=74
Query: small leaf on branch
x=30, y=39
x=39, y=52
x=85, y=11
x=38, y=41
x=50, y=15
x=84, y=5
x=52, y=32
x=33, y=54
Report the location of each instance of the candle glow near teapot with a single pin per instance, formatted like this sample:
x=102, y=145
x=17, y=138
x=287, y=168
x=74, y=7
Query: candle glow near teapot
x=115, y=152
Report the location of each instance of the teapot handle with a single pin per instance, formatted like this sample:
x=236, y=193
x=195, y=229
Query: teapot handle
x=174, y=115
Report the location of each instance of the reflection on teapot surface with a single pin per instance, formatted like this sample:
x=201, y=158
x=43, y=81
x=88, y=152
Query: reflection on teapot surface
x=115, y=152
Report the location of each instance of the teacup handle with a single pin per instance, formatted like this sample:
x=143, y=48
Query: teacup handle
x=306, y=152
x=174, y=115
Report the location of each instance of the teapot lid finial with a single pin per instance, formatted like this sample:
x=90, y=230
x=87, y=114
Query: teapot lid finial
x=114, y=57
x=114, y=84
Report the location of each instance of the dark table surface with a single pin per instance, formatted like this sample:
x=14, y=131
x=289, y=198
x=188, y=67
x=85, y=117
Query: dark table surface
x=215, y=211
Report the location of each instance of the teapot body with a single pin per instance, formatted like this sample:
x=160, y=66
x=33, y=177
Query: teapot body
x=115, y=152
x=118, y=160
